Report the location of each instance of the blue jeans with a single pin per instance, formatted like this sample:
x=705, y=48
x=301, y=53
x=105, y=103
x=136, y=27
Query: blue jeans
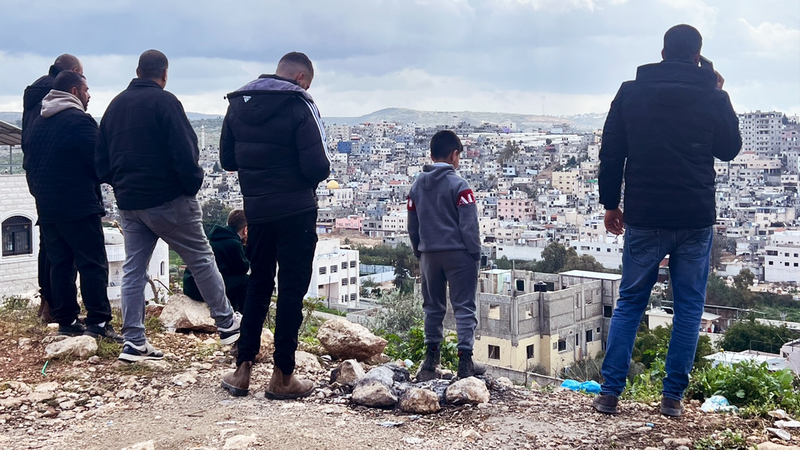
x=689, y=258
x=179, y=223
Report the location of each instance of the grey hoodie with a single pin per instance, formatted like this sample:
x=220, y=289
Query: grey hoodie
x=442, y=215
x=56, y=101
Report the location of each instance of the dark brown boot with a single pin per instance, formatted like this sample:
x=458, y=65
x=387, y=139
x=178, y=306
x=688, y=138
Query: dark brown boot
x=44, y=311
x=285, y=387
x=238, y=381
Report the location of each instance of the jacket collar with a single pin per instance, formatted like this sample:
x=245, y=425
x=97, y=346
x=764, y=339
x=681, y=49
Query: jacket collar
x=56, y=101
x=677, y=71
x=144, y=82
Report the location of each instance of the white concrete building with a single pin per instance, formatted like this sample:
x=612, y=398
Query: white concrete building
x=335, y=274
x=782, y=257
x=19, y=236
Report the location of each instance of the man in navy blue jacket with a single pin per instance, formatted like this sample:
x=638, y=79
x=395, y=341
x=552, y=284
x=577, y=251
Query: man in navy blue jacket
x=60, y=172
x=661, y=136
x=31, y=110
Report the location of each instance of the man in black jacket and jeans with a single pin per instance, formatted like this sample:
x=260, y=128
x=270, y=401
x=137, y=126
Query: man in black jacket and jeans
x=148, y=153
x=273, y=135
x=31, y=110
x=59, y=167
x=661, y=136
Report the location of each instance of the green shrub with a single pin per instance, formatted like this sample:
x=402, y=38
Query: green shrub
x=748, y=385
x=411, y=345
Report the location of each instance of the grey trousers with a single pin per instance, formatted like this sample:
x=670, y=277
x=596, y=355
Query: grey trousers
x=461, y=271
x=180, y=224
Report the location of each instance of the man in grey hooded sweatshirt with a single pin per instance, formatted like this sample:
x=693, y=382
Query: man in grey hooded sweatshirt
x=59, y=166
x=443, y=227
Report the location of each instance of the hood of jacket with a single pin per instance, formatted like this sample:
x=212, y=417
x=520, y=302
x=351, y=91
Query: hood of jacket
x=432, y=174
x=677, y=83
x=263, y=97
x=56, y=101
x=223, y=233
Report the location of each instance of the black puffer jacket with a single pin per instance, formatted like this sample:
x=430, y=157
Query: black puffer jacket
x=273, y=136
x=60, y=164
x=664, y=130
x=32, y=103
x=148, y=150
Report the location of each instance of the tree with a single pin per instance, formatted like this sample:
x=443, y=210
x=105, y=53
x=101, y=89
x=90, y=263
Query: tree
x=215, y=213
x=406, y=268
x=653, y=344
x=554, y=258
x=744, y=280
x=751, y=335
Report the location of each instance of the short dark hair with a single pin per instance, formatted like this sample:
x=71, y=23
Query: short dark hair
x=443, y=143
x=298, y=59
x=67, y=79
x=682, y=42
x=237, y=220
x=66, y=62
x=152, y=64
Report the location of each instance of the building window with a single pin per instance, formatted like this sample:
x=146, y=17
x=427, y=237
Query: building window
x=494, y=352
x=334, y=269
x=323, y=270
x=589, y=336
x=494, y=312
x=353, y=297
x=344, y=281
x=577, y=339
x=162, y=268
x=770, y=263
x=352, y=280
x=17, y=236
x=529, y=351
x=562, y=345
x=352, y=264
x=607, y=311
x=344, y=264
x=320, y=287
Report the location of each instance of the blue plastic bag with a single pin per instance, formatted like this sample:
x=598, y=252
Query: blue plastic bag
x=591, y=387
x=571, y=385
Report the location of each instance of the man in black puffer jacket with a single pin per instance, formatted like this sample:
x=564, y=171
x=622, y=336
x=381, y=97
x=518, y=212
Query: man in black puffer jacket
x=661, y=135
x=274, y=137
x=31, y=110
x=61, y=177
x=148, y=153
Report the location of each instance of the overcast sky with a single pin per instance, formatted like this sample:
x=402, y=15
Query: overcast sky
x=559, y=57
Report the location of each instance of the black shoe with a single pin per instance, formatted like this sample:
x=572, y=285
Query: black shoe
x=74, y=329
x=671, y=407
x=230, y=335
x=96, y=331
x=606, y=404
x=132, y=353
x=427, y=371
x=467, y=367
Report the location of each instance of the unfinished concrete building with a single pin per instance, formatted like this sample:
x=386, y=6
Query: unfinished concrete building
x=527, y=319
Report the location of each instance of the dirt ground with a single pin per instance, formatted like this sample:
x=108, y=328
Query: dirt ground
x=101, y=403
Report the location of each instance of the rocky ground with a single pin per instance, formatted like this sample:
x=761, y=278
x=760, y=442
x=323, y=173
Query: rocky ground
x=100, y=403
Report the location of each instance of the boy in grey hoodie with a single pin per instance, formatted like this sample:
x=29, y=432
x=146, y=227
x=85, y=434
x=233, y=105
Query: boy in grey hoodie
x=443, y=227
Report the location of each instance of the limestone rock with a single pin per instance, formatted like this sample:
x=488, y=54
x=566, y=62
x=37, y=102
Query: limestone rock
x=774, y=446
x=468, y=390
x=239, y=441
x=38, y=397
x=374, y=393
x=267, y=345
x=346, y=340
x=348, y=373
x=147, y=445
x=383, y=374
x=47, y=387
x=80, y=346
x=127, y=394
x=155, y=364
x=188, y=377
x=677, y=442
x=183, y=313
x=306, y=362
x=419, y=401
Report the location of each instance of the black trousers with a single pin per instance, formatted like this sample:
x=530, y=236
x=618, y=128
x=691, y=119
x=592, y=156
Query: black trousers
x=78, y=244
x=45, y=292
x=290, y=243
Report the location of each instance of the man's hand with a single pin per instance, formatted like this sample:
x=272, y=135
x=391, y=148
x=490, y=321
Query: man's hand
x=720, y=80
x=613, y=221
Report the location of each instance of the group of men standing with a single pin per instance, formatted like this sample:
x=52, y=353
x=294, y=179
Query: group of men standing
x=146, y=149
x=661, y=137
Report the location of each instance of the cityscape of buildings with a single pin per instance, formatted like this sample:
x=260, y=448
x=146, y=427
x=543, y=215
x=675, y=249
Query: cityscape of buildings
x=534, y=184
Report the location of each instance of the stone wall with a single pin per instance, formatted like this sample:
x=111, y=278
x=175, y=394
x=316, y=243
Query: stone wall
x=18, y=272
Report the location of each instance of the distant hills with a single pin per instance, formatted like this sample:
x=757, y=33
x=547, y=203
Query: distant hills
x=585, y=122
x=432, y=118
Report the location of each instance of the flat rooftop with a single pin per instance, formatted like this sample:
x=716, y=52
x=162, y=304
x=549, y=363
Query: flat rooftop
x=589, y=274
